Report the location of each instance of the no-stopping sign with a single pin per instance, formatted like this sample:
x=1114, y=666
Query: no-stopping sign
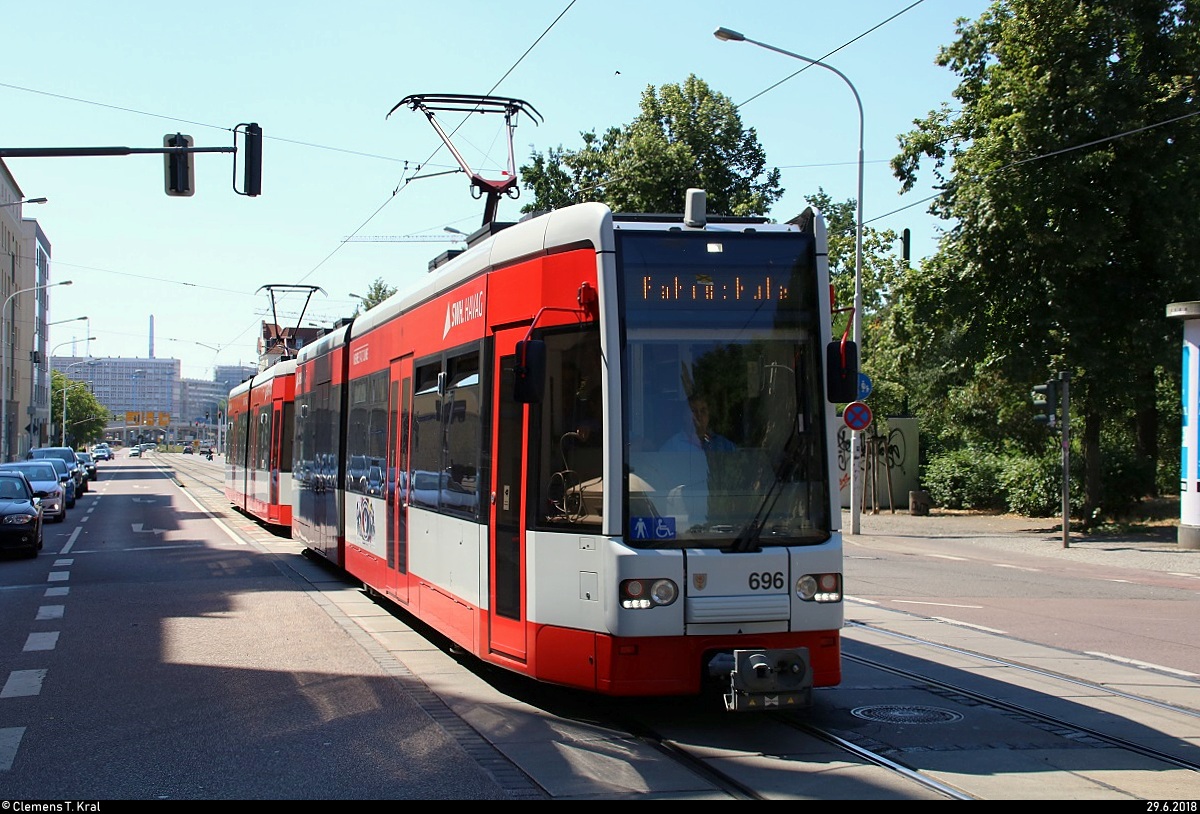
x=857, y=415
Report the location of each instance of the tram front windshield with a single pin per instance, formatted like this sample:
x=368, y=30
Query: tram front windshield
x=723, y=410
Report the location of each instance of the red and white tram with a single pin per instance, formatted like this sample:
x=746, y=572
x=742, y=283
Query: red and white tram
x=258, y=449
x=515, y=453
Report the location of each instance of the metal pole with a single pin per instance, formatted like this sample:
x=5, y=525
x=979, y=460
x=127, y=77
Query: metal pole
x=1064, y=378
x=856, y=456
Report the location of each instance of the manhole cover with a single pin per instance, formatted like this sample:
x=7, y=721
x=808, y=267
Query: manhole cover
x=906, y=715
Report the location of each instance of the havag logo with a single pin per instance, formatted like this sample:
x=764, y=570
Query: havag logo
x=463, y=311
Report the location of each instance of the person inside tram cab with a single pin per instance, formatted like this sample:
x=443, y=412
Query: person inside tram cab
x=688, y=465
x=695, y=432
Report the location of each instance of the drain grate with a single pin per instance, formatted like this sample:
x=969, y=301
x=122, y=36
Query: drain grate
x=891, y=714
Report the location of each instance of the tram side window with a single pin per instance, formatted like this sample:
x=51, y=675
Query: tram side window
x=568, y=432
x=366, y=439
x=289, y=421
x=262, y=438
x=463, y=423
x=446, y=435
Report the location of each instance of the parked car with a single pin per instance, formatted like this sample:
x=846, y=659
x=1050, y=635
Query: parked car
x=20, y=515
x=67, y=455
x=66, y=479
x=89, y=465
x=43, y=477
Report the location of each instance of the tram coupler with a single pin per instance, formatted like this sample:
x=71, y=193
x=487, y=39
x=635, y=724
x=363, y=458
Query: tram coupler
x=766, y=679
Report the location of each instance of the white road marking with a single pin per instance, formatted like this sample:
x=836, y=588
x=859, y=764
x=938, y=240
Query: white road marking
x=48, y=612
x=41, y=641
x=10, y=739
x=957, y=623
x=1137, y=663
x=22, y=683
x=71, y=541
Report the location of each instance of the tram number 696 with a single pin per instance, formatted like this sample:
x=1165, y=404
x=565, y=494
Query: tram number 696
x=766, y=581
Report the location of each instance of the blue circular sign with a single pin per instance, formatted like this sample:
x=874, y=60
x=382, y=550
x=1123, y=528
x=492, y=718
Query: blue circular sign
x=857, y=416
x=864, y=386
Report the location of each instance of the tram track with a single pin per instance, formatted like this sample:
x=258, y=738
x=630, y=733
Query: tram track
x=736, y=785
x=204, y=477
x=1072, y=728
x=915, y=717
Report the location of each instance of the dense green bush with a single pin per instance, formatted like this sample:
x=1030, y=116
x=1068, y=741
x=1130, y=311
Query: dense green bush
x=1032, y=486
x=964, y=479
x=1012, y=481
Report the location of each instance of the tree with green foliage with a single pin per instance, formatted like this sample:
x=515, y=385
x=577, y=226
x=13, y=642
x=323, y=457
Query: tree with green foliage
x=1070, y=171
x=686, y=135
x=86, y=417
x=376, y=293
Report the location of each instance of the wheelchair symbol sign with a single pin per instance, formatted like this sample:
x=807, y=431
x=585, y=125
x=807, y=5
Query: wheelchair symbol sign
x=652, y=528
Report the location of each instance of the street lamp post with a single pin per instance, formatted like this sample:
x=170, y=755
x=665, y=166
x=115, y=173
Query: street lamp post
x=137, y=374
x=71, y=386
x=32, y=429
x=67, y=387
x=71, y=341
x=727, y=35
x=6, y=361
x=27, y=200
x=216, y=408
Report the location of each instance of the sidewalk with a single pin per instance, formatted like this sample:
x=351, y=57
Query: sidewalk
x=1150, y=547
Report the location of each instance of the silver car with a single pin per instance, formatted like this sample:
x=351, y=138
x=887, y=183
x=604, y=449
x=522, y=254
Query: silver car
x=43, y=477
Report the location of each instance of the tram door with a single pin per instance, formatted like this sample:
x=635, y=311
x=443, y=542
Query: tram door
x=274, y=459
x=506, y=541
x=396, y=478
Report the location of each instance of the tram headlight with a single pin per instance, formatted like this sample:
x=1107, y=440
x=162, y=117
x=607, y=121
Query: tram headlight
x=820, y=587
x=637, y=594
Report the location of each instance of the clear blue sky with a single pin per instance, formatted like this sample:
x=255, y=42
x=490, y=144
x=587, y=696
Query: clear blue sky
x=320, y=79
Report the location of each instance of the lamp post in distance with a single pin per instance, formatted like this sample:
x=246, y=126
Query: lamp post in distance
x=4, y=363
x=216, y=413
x=728, y=35
x=66, y=387
x=27, y=201
x=89, y=361
x=70, y=341
x=135, y=376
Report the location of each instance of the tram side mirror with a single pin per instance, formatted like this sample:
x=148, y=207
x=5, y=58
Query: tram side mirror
x=841, y=372
x=530, y=371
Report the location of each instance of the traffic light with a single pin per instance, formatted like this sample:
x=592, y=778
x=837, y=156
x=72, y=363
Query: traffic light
x=180, y=168
x=1045, y=400
x=252, y=169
